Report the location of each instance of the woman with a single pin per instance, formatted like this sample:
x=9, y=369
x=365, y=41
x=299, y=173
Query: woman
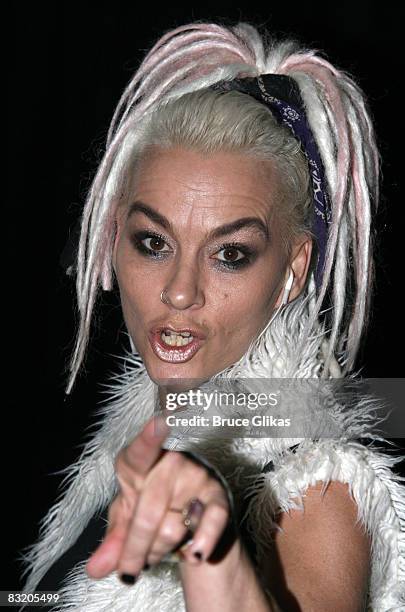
x=233, y=207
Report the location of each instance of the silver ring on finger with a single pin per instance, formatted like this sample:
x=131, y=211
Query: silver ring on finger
x=192, y=513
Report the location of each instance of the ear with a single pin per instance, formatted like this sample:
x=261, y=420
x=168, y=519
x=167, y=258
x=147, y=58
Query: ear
x=299, y=262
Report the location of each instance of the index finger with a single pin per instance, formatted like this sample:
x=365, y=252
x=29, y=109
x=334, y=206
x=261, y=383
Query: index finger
x=146, y=449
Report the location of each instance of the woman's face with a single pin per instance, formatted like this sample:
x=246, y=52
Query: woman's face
x=205, y=229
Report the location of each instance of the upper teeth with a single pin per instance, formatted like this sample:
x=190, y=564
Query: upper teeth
x=176, y=339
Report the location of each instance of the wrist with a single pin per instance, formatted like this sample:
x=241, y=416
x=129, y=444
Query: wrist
x=227, y=585
x=228, y=566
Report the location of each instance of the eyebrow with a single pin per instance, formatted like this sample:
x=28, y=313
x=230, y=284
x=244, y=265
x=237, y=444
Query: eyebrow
x=218, y=232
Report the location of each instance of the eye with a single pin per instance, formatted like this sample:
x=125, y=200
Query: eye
x=156, y=243
x=150, y=244
x=234, y=255
x=231, y=254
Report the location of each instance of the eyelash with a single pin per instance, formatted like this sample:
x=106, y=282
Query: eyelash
x=138, y=237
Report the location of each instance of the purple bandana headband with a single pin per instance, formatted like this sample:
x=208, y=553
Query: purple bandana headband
x=280, y=93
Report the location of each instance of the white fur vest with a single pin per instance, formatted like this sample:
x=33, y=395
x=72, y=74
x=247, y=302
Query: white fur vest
x=90, y=483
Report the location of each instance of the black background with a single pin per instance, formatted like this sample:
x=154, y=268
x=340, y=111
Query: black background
x=67, y=66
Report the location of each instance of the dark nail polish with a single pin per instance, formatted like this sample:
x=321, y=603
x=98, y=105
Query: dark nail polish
x=198, y=555
x=146, y=566
x=128, y=578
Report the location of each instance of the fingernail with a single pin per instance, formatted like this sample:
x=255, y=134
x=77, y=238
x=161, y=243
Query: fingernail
x=128, y=578
x=146, y=566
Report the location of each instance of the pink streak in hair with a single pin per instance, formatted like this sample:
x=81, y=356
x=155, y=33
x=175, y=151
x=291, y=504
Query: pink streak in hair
x=222, y=52
x=209, y=29
x=359, y=205
x=164, y=55
x=156, y=57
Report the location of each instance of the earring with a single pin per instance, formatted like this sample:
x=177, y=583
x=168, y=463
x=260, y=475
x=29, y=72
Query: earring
x=287, y=288
x=133, y=349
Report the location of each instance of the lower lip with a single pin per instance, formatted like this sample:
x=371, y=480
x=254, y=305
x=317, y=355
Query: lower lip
x=173, y=354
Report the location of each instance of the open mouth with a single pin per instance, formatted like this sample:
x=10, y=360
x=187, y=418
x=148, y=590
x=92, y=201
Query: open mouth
x=174, y=347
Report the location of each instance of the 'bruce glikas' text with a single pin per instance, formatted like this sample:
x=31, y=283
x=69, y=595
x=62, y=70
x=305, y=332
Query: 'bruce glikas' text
x=219, y=421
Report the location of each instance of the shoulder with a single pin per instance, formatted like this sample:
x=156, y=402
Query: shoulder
x=337, y=505
x=320, y=554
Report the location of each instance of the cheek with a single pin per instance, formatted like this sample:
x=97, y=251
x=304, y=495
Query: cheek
x=253, y=290
x=245, y=306
x=135, y=296
x=134, y=286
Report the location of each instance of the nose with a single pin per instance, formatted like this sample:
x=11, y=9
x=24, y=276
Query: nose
x=184, y=289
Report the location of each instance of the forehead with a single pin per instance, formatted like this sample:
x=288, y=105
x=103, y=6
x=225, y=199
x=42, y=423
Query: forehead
x=179, y=182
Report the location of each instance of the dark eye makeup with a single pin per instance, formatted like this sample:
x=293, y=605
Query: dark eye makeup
x=240, y=254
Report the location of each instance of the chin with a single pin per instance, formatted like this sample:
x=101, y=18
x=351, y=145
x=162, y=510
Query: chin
x=163, y=372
